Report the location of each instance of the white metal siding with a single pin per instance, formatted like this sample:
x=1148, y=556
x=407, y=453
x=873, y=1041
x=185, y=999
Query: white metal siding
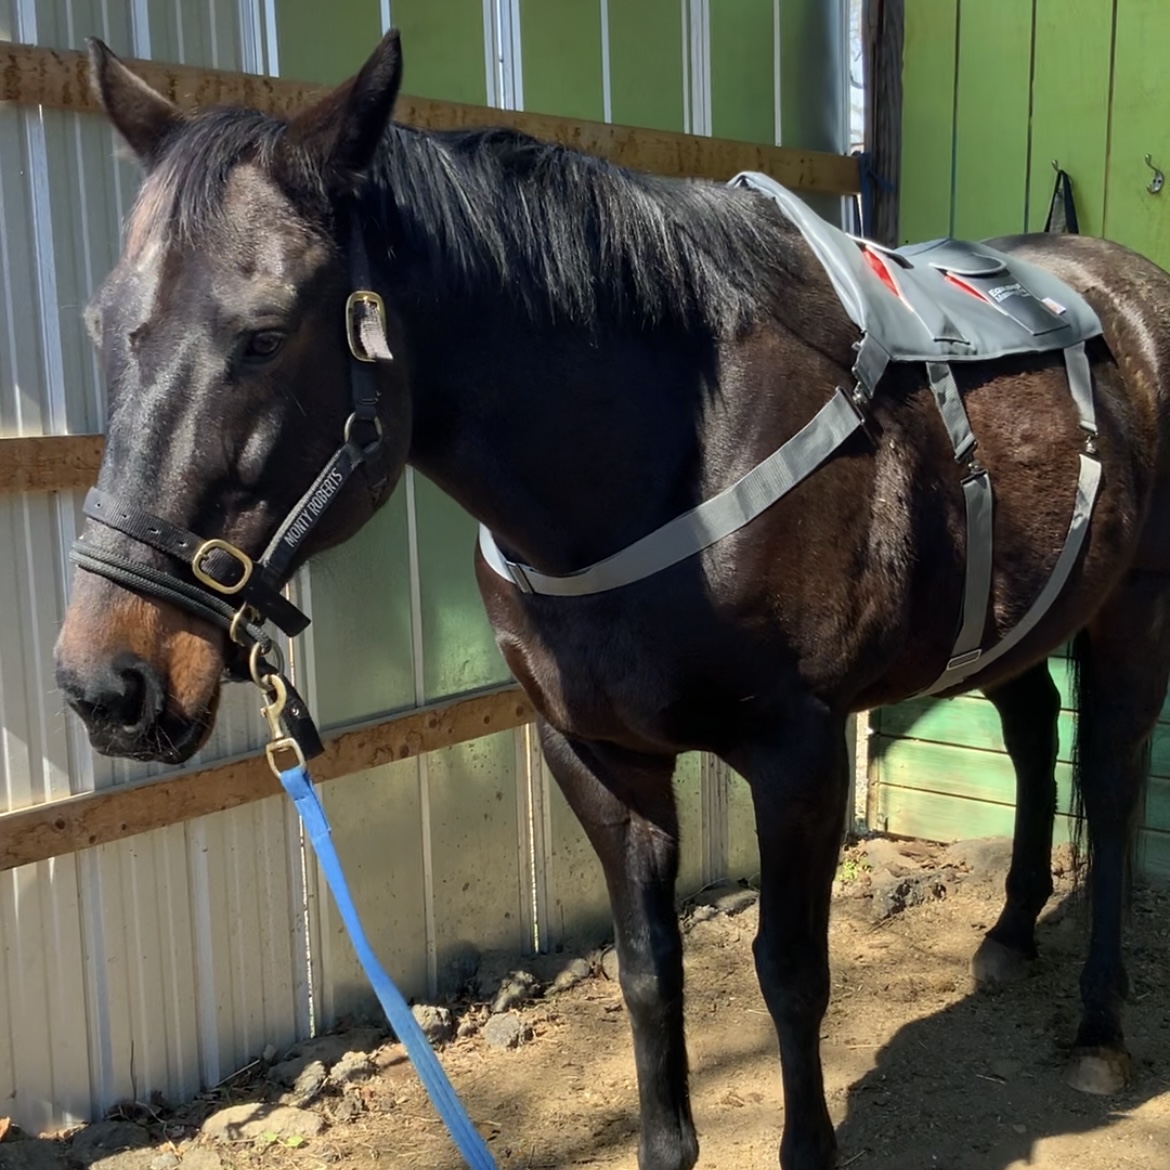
x=171, y=958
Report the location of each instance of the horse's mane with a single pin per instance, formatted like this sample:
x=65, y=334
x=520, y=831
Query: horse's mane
x=574, y=237
x=496, y=213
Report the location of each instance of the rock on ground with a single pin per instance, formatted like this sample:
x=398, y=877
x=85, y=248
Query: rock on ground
x=506, y=1031
x=519, y=987
x=353, y=1066
x=573, y=973
x=327, y=1049
x=255, y=1122
x=609, y=964
x=986, y=857
x=434, y=1021
x=308, y=1085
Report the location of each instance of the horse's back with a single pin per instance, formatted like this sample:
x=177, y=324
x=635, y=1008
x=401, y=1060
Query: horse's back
x=1128, y=291
x=1131, y=296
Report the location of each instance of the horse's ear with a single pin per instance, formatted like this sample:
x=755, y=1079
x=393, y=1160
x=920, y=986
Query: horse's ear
x=342, y=130
x=140, y=114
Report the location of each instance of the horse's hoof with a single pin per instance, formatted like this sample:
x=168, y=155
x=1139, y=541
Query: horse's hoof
x=1100, y=1071
x=995, y=965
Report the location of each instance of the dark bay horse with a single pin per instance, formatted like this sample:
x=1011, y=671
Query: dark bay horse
x=581, y=354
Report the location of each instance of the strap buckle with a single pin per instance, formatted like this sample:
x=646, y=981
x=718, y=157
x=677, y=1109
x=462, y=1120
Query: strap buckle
x=519, y=577
x=965, y=659
x=241, y=558
x=355, y=306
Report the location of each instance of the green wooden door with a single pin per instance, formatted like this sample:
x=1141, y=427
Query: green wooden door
x=942, y=772
x=1140, y=125
x=993, y=94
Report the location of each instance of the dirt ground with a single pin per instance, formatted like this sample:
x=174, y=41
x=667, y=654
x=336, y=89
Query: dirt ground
x=922, y=1073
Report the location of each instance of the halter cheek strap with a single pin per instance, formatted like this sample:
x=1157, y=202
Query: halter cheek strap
x=220, y=582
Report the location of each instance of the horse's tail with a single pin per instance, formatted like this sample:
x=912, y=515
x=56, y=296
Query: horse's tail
x=1084, y=697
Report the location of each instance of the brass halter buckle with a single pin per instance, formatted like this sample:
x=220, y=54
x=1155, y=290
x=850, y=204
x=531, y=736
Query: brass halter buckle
x=241, y=558
x=356, y=300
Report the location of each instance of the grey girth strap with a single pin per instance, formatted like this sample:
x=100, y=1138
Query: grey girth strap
x=977, y=502
x=702, y=526
x=967, y=658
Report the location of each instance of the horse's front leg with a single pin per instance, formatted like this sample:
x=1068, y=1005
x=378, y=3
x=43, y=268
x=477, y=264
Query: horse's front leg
x=625, y=803
x=799, y=778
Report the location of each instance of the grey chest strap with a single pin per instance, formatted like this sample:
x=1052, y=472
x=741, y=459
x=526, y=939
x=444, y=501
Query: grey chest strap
x=702, y=526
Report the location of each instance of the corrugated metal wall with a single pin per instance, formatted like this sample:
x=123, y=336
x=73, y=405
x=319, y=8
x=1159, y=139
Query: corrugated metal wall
x=169, y=959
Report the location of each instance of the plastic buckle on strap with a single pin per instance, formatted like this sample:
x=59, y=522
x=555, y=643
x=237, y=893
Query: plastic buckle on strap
x=241, y=558
x=355, y=306
x=519, y=577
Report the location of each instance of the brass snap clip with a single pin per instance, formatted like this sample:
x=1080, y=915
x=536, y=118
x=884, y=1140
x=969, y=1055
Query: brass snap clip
x=272, y=712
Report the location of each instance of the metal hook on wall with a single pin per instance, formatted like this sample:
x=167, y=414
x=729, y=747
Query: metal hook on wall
x=1158, y=181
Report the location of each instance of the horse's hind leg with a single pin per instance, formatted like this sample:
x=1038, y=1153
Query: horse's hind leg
x=1028, y=707
x=625, y=804
x=799, y=781
x=1123, y=658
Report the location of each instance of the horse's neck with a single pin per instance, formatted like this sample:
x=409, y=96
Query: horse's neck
x=567, y=448
x=570, y=445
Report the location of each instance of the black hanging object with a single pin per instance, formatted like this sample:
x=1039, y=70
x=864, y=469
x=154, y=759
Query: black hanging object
x=1062, y=211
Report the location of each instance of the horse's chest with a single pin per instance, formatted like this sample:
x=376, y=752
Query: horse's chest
x=651, y=678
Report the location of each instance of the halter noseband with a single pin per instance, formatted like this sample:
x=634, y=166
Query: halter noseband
x=223, y=584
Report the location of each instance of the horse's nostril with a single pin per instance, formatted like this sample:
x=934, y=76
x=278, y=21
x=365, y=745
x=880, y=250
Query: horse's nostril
x=126, y=708
x=126, y=695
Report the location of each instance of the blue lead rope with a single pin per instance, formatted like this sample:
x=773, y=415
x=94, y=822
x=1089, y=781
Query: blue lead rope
x=298, y=785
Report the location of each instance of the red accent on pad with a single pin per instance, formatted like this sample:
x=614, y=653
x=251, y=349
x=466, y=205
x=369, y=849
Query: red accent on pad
x=967, y=288
x=880, y=268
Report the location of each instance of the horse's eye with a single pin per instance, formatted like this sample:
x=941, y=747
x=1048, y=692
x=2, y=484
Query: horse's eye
x=263, y=345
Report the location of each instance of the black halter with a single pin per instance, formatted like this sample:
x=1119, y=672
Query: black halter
x=221, y=583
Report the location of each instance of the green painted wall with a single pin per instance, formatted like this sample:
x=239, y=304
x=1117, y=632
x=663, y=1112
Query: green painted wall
x=743, y=89
x=991, y=117
x=646, y=64
x=993, y=93
x=442, y=49
x=1070, y=107
x=928, y=119
x=305, y=53
x=561, y=57
x=1139, y=125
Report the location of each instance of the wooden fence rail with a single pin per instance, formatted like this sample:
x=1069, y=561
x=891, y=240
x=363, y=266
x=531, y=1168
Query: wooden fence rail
x=59, y=78
x=64, y=826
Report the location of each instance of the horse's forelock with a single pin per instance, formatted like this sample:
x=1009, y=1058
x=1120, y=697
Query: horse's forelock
x=185, y=195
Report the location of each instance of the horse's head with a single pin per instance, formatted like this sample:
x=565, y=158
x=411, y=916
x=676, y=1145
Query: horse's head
x=224, y=334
